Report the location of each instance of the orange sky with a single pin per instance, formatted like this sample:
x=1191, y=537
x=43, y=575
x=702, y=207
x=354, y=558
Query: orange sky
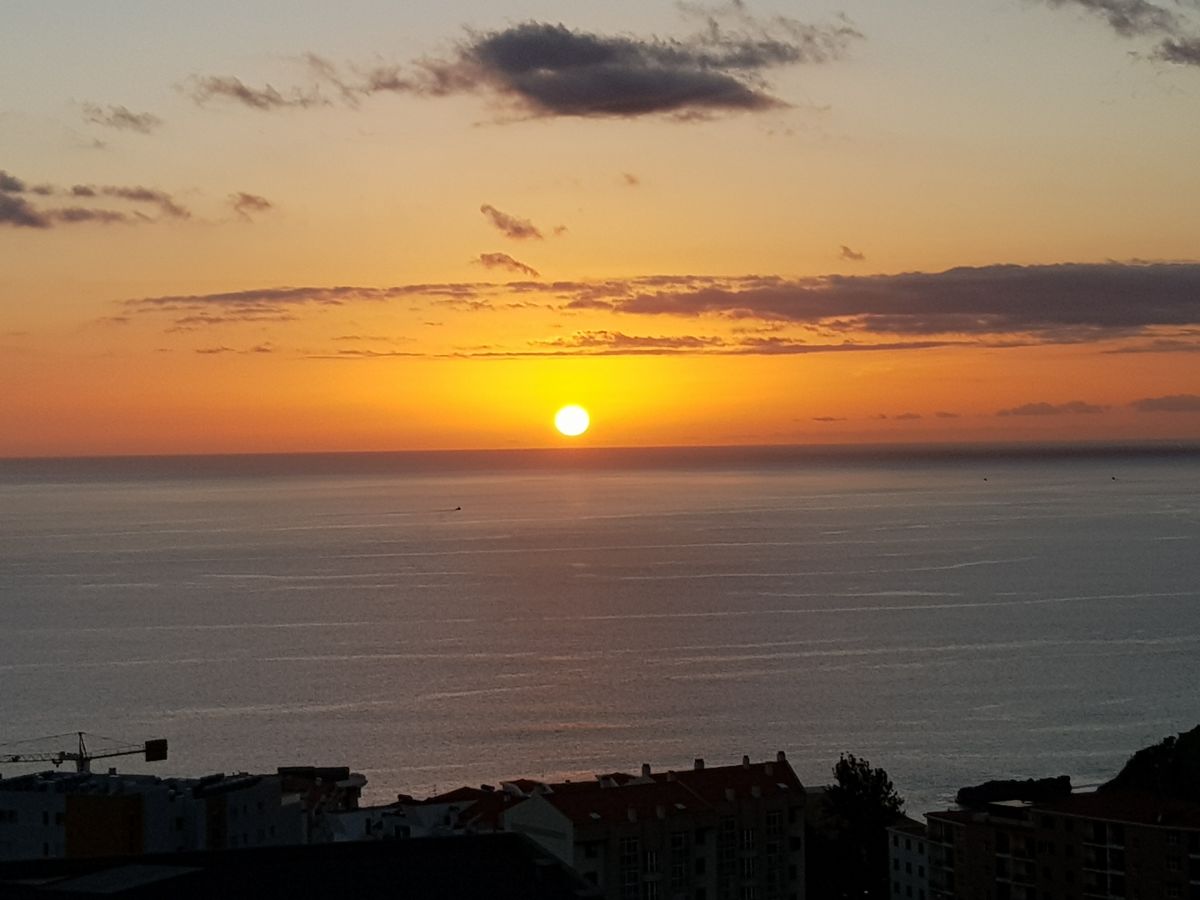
x=431, y=226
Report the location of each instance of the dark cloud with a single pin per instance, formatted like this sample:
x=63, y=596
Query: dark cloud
x=551, y=70
x=852, y=255
x=72, y=215
x=630, y=180
x=545, y=69
x=18, y=212
x=945, y=415
x=244, y=204
x=11, y=184
x=511, y=226
x=829, y=419
x=1184, y=51
x=121, y=118
x=907, y=417
x=504, y=261
x=1071, y=408
x=1179, y=403
x=1059, y=302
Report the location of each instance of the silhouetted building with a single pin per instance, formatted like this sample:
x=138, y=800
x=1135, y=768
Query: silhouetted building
x=493, y=866
x=704, y=833
x=1094, y=845
x=87, y=814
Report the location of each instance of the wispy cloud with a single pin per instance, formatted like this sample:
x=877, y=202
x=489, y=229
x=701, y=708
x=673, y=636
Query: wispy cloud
x=547, y=69
x=1177, y=26
x=1127, y=17
x=1071, y=408
x=504, y=261
x=1173, y=403
x=852, y=255
x=121, y=118
x=244, y=204
x=166, y=204
x=17, y=210
x=203, y=88
x=511, y=226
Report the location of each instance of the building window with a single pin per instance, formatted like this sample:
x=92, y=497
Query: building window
x=650, y=890
x=651, y=862
x=678, y=874
x=748, y=867
x=629, y=853
x=747, y=838
x=774, y=823
x=590, y=851
x=678, y=841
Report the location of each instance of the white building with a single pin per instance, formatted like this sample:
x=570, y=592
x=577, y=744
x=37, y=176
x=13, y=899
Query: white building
x=908, y=861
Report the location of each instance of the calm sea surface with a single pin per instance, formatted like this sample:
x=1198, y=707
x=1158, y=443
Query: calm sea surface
x=950, y=617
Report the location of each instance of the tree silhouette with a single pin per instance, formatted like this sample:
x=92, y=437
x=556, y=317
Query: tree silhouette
x=851, y=842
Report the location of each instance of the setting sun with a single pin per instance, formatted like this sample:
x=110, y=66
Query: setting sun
x=572, y=420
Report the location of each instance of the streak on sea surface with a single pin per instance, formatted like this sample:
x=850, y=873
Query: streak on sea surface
x=953, y=615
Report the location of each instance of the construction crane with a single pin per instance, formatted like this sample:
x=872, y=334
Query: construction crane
x=154, y=751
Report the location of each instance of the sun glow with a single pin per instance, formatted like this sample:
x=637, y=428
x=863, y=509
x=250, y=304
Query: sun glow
x=572, y=420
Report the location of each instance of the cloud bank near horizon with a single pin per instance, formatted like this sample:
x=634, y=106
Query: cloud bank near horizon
x=991, y=306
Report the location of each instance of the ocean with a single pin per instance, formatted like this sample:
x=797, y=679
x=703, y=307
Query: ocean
x=438, y=619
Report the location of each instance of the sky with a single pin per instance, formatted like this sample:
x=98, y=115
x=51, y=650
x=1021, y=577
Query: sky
x=293, y=226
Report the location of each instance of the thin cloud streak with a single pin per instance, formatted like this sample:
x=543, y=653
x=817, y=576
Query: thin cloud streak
x=513, y=227
x=121, y=118
x=504, y=261
x=1173, y=403
x=1071, y=408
